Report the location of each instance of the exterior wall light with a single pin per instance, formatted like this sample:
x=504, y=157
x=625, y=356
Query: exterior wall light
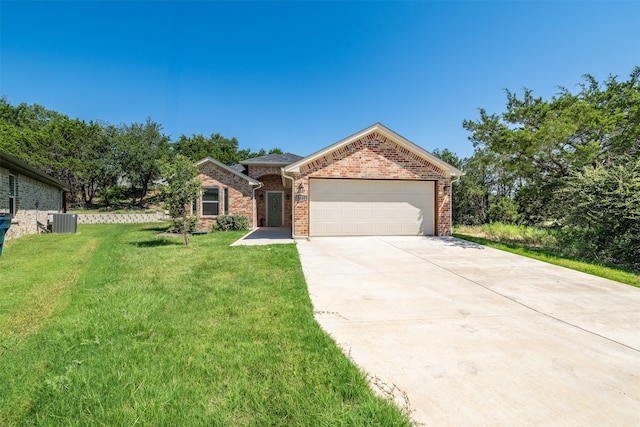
x=301, y=188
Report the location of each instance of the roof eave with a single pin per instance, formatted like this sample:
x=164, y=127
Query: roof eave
x=15, y=164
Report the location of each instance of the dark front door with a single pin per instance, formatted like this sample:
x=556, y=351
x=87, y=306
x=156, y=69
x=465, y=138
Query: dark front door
x=274, y=209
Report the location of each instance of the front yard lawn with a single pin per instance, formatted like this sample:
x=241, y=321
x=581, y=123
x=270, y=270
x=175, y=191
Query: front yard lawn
x=116, y=326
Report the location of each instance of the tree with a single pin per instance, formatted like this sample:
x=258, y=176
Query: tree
x=181, y=189
x=141, y=150
x=540, y=143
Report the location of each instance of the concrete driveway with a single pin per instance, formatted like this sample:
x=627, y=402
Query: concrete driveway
x=471, y=336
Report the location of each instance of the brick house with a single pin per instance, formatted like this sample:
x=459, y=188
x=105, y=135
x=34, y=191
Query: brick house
x=374, y=182
x=28, y=195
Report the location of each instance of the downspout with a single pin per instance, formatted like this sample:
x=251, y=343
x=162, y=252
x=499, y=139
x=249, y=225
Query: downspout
x=255, y=206
x=293, y=204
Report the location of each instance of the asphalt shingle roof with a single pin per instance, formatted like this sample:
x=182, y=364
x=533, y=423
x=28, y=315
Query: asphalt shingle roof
x=276, y=159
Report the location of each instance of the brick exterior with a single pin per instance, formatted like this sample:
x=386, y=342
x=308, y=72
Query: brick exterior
x=257, y=172
x=374, y=156
x=240, y=193
x=29, y=191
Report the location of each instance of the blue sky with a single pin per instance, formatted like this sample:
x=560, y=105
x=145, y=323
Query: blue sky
x=303, y=75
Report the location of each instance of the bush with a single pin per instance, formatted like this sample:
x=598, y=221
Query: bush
x=602, y=214
x=231, y=222
x=504, y=210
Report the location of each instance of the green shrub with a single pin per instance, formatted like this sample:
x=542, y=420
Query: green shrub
x=602, y=214
x=231, y=222
x=504, y=210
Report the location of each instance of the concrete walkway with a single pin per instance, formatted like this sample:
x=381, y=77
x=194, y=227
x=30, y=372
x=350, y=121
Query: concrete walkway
x=472, y=336
x=266, y=236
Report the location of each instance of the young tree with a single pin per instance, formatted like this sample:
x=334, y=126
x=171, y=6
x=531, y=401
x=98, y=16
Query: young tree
x=181, y=189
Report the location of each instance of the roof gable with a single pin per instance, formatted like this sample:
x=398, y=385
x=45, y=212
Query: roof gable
x=229, y=169
x=388, y=133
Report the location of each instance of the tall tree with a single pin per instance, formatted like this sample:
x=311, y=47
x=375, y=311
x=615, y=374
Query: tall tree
x=541, y=142
x=141, y=150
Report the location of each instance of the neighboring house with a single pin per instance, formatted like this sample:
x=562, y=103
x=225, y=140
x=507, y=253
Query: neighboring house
x=372, y=183
x=28, y=195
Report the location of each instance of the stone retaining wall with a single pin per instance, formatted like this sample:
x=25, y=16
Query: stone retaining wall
x=108, y=218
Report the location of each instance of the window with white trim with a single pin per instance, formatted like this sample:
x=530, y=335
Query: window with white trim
x=12, y=195
x=211, y=201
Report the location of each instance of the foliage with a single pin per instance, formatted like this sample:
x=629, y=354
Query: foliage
x=225, y=150
x=504, y=210
x=231, y=222
x=181, y=189
x=563, y=163
x=601, y=220
x=535, y=145
x=117, y=326
x=178, y=225
x=91, y=158
x=140, y=152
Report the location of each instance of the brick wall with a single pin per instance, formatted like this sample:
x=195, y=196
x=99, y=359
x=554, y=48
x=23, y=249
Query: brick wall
x=374, y=157
x=240, y=193
x=29, y=193
x=256, y=172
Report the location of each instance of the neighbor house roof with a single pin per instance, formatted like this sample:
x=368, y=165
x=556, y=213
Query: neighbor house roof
x=383, y=130
x=230, y=169
x=20, y=166
x=272, y=160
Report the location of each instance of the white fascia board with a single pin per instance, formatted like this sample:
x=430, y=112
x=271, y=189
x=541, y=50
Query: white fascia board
x=228, y=169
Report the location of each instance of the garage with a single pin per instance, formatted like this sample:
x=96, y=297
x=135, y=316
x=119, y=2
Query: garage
x=369, y=207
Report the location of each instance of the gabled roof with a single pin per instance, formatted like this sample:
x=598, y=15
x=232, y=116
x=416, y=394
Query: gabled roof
x=383, y=130
x=272, y=160
x=229, y=169
x=20, y=166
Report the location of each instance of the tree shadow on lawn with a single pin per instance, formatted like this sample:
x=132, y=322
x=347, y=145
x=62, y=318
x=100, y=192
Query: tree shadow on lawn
x=157, y=242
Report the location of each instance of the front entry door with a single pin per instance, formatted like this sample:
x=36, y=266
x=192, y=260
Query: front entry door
x=274, y=209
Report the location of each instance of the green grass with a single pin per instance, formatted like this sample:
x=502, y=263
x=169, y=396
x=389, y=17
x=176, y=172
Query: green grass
x=116, y=326
x=538, y=244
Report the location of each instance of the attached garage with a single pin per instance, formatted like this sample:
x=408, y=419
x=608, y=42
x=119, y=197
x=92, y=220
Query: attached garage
x=374, y=182
x=357, y=207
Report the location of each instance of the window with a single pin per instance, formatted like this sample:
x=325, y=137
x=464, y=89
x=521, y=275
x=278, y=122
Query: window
x=211, y=201
x=226, y=200
x=12, y=195
x=194, y=207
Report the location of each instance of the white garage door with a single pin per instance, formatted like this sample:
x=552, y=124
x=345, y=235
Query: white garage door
x=354, y=207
